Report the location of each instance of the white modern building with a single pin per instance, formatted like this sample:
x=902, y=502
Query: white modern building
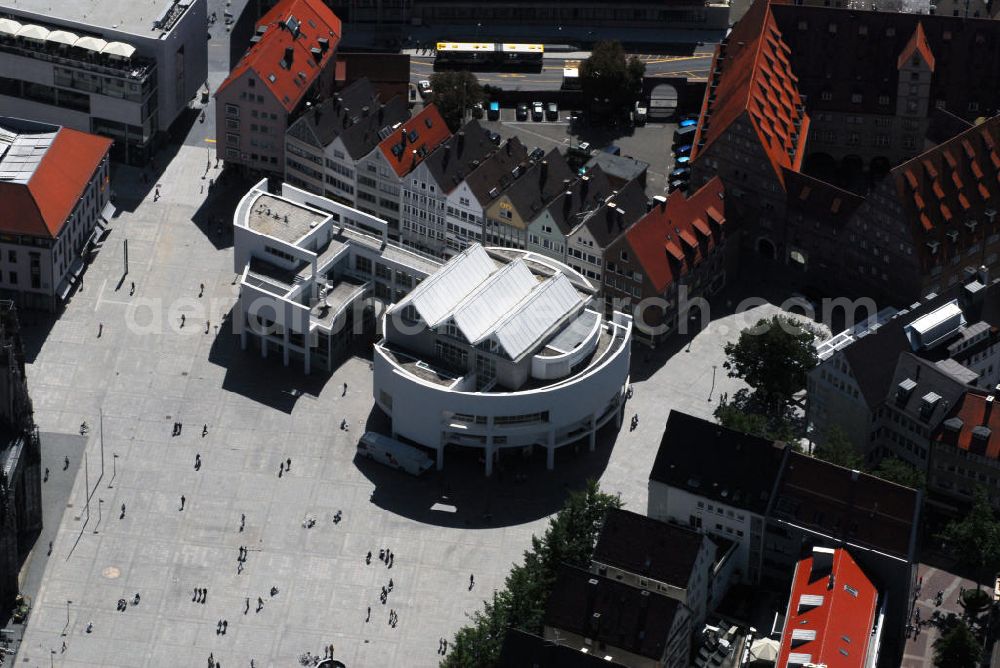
x=313, y=274
x=54, y=192
x=501, y=349
x=117, y=68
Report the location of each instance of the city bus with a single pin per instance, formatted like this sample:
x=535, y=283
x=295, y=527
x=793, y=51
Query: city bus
x=489, y=56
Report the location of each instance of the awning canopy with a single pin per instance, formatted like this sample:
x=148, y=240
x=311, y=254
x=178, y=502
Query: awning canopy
x=91, y=43
x=9, y=27
x=31, y=31
x=120, y=49
x=62, y=37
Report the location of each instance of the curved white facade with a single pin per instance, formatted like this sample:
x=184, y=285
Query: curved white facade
x=558, y=406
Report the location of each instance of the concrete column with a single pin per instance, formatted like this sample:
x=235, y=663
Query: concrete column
x=263, y=346
x=284, y=346
x=490, y=450
x=592, y=439
x=440, y=457
x=618, y=416
x=307, y=355
x=550, y=451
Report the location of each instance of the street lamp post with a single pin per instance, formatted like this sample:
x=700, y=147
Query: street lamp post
x=114, y=469
x=710, y=391
x=68, y=603
x=100, y=504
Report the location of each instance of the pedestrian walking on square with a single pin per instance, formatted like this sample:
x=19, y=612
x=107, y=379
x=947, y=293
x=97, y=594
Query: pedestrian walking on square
x=204, y=430
x=472, y=581
x=260, y=604
x=288, y=464
x=201, y=290
x=344, y=393
x=281, y=469
x=100, y=329
x=131, y=290
x=183, y=319
x=369, y=614
x=46, y=478
x=197, y=461
x=368, y=557
x=247, y=608
x=122, y=516
x=66, y=462
x=243, y=522
x=182, y=501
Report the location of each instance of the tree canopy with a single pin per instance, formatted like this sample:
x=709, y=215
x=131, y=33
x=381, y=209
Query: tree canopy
x=976, y=537
x=837, y=448
x=957, y=647
x=569, y=538
x=454, y=92
x=611, y=81
x=896, y=470
x=773, y=358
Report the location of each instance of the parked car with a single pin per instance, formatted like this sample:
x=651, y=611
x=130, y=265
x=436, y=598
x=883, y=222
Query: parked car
x=680, y=174
x=424, y=87
x=552, y=111
x=687, y=122
x=612, y=149
x=536, y=154
x=682, y=161
x=477, y=110
x=685, y=134
x=412, y=89
x=682, y=150
x=494, y=137
x=537, y=111
x=677, y=184
x=394, y=454
x=522, y=112
x=493, y=112
x=585, y=146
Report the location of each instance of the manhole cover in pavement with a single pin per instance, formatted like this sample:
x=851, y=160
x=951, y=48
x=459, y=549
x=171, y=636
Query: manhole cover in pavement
x=111, y=572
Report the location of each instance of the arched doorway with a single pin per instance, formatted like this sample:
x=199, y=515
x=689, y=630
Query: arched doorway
x=820, y=165
x=851, y=174
x=766, y=248
x=878, y=168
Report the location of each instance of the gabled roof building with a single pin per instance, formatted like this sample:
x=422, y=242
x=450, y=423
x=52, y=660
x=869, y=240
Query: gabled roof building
x=501, y=349
x=324, y=145
x=867, y=129
x=833, y=616
x=55, y=197
x=290, y=62
x=676, y=253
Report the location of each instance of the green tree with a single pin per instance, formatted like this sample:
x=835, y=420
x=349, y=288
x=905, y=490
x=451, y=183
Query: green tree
x=455, y=91
x=773, y=358
x=569, y=538
x=957, y=648
x=896, y=470
x=837, y=448
x=610, y=80
x=738, y=413
x=976, y=537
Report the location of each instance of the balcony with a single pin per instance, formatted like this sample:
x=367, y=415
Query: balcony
x=135, y=69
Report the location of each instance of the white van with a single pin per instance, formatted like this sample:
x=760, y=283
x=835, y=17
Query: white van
x=391, y=452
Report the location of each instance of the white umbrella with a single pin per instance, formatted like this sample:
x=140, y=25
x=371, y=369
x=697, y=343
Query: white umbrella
x=764, y=649
x=32, y=31
x=62, y=37
x=91, y=43
x=119, y=49
x=9, y=27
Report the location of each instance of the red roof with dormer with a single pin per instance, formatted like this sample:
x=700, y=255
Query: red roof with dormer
x=831, y=613
x=678, y=235
x=974, y=425
x=414, y=140
x=949, y=189
x=752, y=77
x=298, y=25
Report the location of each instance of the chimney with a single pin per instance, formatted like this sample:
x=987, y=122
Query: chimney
x=661, y=201
x=822, y=563
x=324, y=44
x=364, y=112
x=584, y=184
x=543, y=172
x=567, y=202
x=461, y=141
x=983, y=275
x=381, y=112
x=289, y=56
x=402, y=139
x=316, y=53
x=620, y=216
x=988, y=408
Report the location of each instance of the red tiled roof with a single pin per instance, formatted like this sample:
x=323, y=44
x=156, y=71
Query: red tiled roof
x=288, y=84
x=835, y=627
x=416, y=139
x=40, y=207
x=917, y=44
x=974, y=410
x=666, y=226
x=946, y=184
x=755, y=78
